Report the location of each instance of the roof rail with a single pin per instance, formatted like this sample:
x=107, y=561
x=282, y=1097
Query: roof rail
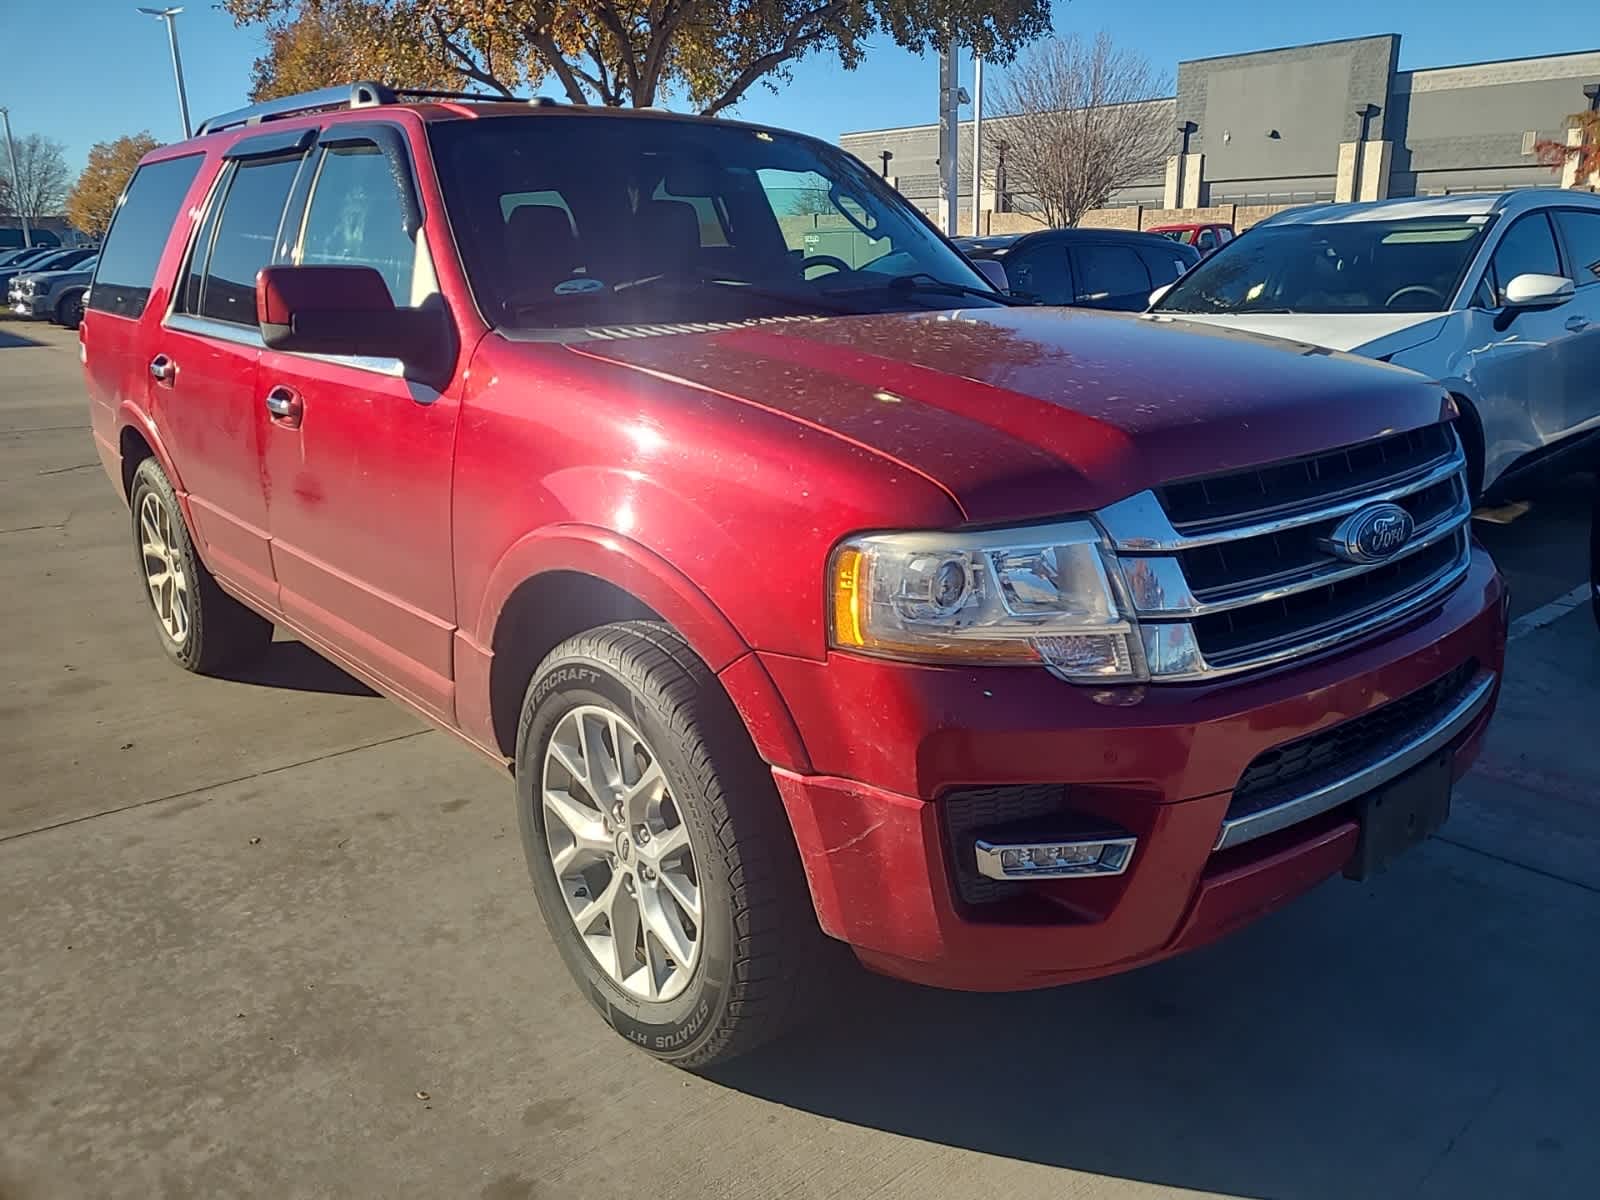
x=361, y=94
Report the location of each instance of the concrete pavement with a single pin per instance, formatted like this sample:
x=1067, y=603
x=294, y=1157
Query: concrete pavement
x=271, y=936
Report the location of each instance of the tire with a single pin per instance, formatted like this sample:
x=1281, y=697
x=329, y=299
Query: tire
x=202, y=628
x=69, y=310
x=758, y=951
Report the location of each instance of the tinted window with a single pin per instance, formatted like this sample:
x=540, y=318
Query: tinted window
x=668, y=221
x=1581, y=232
x=1040, y=272
x=1110, y=276
x=356, y=219
x=1527, y=248
x=1207, y=241
x=195, y=273
x=246, y=233
x=138, y=234
x=1163, y=266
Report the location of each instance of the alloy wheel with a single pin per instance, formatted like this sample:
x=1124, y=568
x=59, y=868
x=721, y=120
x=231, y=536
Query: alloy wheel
x=621, y=853
x=163, y=568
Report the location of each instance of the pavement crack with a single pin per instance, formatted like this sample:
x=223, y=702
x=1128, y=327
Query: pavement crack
x=31, y=528
x=1450, y=1145
x=220, y=783
x=74, y=467
x=1511, y=862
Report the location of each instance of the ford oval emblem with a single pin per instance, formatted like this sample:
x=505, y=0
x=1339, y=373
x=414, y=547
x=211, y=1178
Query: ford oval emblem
x=1370, y=534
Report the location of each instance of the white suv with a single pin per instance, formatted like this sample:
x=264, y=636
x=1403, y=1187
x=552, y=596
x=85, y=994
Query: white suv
x=1496, y=296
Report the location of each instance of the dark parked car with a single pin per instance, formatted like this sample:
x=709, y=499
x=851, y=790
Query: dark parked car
x=55, y=260
x=28, y=254
x=1085, y=268
x=11, y=237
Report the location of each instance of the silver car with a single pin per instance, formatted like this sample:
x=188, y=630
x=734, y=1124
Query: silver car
x=54, y=294
x=1497, y=296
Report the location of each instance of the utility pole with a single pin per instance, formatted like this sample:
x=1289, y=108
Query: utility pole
x=977, y=145
x=16, y=180
x=169, y=16
x=949, y=141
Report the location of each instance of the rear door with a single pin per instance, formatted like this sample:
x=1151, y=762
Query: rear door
x=357, y=473
x=1110, y=275
x=203, y=372
x=1038, y=271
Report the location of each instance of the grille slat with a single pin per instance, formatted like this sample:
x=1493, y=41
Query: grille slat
x=1233, y=572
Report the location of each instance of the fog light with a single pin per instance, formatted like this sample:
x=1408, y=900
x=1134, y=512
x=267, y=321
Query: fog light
x=1055, y=860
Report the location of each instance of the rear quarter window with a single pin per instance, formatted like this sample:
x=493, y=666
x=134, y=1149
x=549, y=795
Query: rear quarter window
x=138, y=234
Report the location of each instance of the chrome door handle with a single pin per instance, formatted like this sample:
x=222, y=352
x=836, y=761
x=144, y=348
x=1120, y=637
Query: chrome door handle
x=1576, y=323
x=162, y=369
x=285, y=406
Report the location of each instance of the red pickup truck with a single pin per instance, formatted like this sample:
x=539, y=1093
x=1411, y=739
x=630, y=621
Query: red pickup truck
x=1205, y=236
x=806, y=595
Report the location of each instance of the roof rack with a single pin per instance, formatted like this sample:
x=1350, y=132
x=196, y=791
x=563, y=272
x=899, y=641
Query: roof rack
x=361, y=94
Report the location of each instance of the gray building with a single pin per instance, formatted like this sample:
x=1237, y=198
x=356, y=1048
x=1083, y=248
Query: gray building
x=1328, y=121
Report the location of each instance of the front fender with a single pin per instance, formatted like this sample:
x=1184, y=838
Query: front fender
x=625, y=564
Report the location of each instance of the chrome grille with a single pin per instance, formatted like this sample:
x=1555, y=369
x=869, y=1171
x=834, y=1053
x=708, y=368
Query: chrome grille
x=1229, y=573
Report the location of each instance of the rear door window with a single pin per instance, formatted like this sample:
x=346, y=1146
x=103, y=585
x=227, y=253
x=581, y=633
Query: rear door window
x=1110, y=276
x=1163, y=266
x=1207, y=241
x=1040, y=273
x=246, y=233
x=1581, y=232
x=138, y=234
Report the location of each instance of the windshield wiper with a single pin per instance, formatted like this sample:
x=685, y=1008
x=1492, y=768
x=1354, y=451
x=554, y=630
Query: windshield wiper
x=922, y=281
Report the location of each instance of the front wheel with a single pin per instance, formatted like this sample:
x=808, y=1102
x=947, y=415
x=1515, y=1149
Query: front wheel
x=69, y=311
x=658, y=848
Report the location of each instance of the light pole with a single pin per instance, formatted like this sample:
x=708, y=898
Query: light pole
x=168, y=15
x=16, y=180
x=977, y=145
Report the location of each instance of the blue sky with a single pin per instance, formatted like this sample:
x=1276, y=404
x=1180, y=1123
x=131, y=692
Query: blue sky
x=96, y=69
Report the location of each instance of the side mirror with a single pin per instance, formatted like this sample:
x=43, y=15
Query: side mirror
x=1538, y=291
x=348, y=311
x=1155, y=296
x=993, y=272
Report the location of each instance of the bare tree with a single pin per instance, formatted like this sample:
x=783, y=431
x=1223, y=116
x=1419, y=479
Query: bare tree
x=1079, y=124
x=40, y=188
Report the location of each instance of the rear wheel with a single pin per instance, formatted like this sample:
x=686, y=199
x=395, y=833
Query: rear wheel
x=659, y=850
x=201, y=627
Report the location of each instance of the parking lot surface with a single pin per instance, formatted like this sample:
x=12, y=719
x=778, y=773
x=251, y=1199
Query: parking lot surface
x=269, y=935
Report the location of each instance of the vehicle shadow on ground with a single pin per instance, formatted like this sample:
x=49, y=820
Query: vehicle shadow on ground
x=296, y=667
x=1341, y=1048
x=15, y=341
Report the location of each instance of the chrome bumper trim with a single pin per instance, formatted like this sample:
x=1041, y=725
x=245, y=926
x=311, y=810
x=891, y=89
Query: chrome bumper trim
x=1393, y=762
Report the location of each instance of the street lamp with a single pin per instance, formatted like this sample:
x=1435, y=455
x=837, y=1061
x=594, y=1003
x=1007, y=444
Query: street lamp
x=16, y=180
x=167, y=15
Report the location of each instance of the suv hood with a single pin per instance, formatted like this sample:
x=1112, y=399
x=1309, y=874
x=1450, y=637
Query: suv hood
x=1032, y=412
x=1367, y=334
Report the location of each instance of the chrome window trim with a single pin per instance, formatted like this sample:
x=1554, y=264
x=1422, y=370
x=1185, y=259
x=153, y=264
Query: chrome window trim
x=1139, y=522
x=243, y=335
x=1389, y=765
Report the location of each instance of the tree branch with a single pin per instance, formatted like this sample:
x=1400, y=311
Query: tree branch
x=802, y=37
x=608, y=16
x=465, y=62
x=545, y=46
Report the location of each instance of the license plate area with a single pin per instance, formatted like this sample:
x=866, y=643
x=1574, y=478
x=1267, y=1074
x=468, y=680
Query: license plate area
x=1400, y=815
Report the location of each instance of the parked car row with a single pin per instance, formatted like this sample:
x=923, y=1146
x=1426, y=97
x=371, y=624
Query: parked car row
x=48, y=283
x=805, y=597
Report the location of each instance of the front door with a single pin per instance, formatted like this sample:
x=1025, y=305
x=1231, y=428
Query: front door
x=203, y=372
x=357, y=458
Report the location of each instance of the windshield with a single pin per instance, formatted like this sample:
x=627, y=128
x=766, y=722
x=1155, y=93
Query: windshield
x=573, y=220
x=1411, y=265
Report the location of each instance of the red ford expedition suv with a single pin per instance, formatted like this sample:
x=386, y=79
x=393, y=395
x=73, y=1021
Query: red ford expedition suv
x=805, y=593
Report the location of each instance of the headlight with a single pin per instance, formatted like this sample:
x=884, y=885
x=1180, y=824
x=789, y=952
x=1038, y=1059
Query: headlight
x=1034, y=595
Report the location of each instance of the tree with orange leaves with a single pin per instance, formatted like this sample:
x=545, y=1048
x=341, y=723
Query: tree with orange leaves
x=708, y=53
x=1556, y=155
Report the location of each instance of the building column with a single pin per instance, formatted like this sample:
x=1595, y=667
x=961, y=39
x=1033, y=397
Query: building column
x=1375, y=160
x=1172, y=189
x=1569, y=166
x=1194, y=173
x=1344, y=179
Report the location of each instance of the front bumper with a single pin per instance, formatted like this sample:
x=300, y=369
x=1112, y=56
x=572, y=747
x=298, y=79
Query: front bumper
x=892, y=743
x=25, y=305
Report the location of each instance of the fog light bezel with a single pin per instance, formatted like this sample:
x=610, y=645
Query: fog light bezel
x=1114, y=857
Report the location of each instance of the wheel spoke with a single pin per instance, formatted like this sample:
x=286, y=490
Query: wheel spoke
x=597, y=906
x=571, y=763
x=624, y=915
x=602, y=770
x=666, y=925
x=581, y=821
x=682, y=889
x=668, y=842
